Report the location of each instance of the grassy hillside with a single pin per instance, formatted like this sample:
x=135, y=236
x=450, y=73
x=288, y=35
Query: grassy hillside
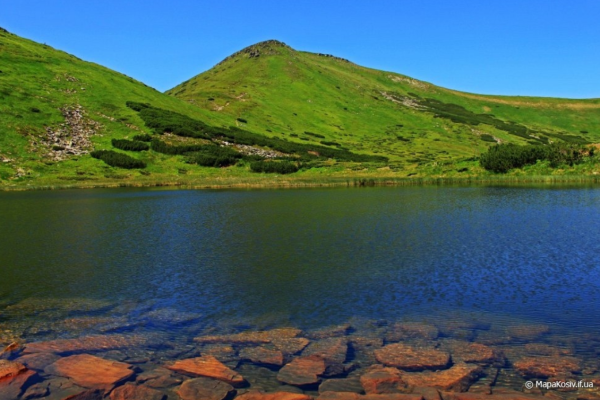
x=278, y=91
x=265, y=112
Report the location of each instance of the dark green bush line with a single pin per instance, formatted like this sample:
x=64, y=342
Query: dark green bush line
x=326, y=143
x=161, y=147
x=129, y=145
x=317, y=135
x=167, y=121
x=115, y=159
x=487, y=138
x=143, y=137
x=278, y=167
x=504, y=157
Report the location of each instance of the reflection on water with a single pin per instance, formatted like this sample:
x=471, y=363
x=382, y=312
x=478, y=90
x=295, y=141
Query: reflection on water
x=471, y=262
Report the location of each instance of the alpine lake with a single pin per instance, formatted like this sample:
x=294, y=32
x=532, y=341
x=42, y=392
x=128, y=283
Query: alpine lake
x=433, y=292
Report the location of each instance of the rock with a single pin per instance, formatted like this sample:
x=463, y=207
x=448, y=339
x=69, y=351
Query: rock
x=92, y=394
x=412, y=358
x=86, y=344
x=541, y=349
x=527, y=332
x=250, y=337
x=378, y=379
x=10, y=350
x=290, y=346
x=408, y=330
x=14, y=380
x=257, y=395
x=209, y=367
x=546, y=367
x=302, y=371
x=332, y=350
x=131, y=391
x=221, y=352
x=170, y=316
x=90, y=371
x=480, y=396
x=205, y=389
x=158, y=378
x=356, y=396
x=36, y=391
x=10, y=369
x=458, y=378
x=350, y=384
x=427, y=393
x=38, y=361
x=330, y=331
x=262, y=355
x=473, y=352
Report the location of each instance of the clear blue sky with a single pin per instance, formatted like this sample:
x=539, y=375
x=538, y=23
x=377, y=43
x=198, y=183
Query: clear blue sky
x=522, y=47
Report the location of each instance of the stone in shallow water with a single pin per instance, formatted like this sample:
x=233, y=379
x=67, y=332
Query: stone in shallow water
x=92, y=394
x=412, y=358
x=527, y=332
x=290, y=346
x=262, y=355
x=458, y=378
x=332, y=350
x=205, y=389
x=379, y=379
x=302, y=371
x=546, y=367
x=170, y=316
x=10, y=369
x=38, y=361
x=90, y=371
x=473, y=352
x=407, y=330
x=221, y=352
x=257, y=395
x=131, y=391
x=480, y=396
x=356, y=396
x=329, y=332
x=86, y=343
x=351, y=384
x=36, y=391
x=251, y=337
x=207, y=366
x=14, y=378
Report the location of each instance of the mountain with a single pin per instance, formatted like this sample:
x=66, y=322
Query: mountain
x=276, y=90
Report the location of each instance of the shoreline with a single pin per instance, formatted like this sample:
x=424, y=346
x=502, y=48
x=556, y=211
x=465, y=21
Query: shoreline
x=281, y=182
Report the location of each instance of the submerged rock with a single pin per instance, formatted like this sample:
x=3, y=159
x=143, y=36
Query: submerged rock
x=332, y=350
x=473, y=352
x=302, y=371
x=410, y=330
x=207, y=366
x=251, y=337
x=379, y=379
x=131, y=391
x=458, y=378
x=527, y=332
x=356, y=396
x=90, y=371
x=262, y=355
x=290, y=346
x=205, y=389
x=86, y=344
x=14, y=378
x=546, y=367
x=257, y=395
x=412, y=358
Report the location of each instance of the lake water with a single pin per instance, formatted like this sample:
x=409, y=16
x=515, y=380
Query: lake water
x=178, y=264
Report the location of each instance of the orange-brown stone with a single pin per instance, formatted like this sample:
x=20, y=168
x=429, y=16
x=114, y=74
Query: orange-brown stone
x=90, y=371
x=406, y=330
x=262, y=355
x=251, y=337
x=473, y=352
x=302, y=371
x=412, y=358
x=86, y=343
x=356, y=396
x=458, y=378
x=290, y=346
x=332, y=350
x=10, y=369
x=205, y=389
x=209, y=367
x=257, y=395
x=546, y=367
x=527, y=332
x=378, y=379
x=15, y=379
x=131, y=391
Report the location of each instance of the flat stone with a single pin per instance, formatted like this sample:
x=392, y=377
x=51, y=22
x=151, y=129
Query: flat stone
x=262, y=355
x=527, y=332
x=428, y=393
x=36, y=391
x=131, y=391
x=92, y=394
x=412, y=358
x=222, y=352
x=302, y=371
x=351, y=384
x=458, y=378
x=86, y=344
x=209, y=367
x=10, y=369
x=473, y=352
x=205, y=389
x=481, y=396
x=159, y=378
x=38, y=361
x=332, y=350
x=290, y=346
x=11, y=386
x=408, y=330
x=90, y=371
x=329, y=332
x=257, y=395
x=356, y=396
x=546, y=367
x=251, y=337
x=378, y=379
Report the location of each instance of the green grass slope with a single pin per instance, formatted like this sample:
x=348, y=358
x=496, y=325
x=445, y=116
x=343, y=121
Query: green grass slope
x=44, y=90
x=272, y=89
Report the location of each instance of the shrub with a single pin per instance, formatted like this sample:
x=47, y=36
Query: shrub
x=242, y=120
x=279, y=167
x=129, y=145
x=504, y=157
x=161, y=147
x=115, y=159
x=326, y=143
x=314, y=135
x=487, y=138
x=143, y=137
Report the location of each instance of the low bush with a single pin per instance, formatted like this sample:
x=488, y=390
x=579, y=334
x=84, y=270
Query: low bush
x=143, y=137
x=279, y=167
x=129, y=145
x=504, y=157
x=119, y=160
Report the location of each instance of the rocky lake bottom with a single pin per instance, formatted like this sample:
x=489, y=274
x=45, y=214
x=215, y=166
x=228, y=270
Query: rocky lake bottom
x=89, y=349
